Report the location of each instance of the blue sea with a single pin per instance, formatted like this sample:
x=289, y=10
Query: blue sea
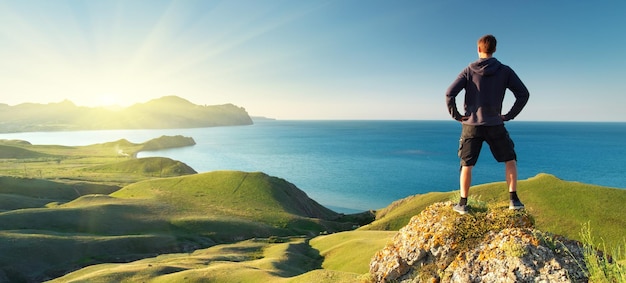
x=352, y=166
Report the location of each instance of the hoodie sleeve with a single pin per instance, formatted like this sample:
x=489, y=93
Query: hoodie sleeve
x=521, y=94
x=452, y=92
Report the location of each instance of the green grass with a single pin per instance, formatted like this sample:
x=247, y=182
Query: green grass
x=220, y=205
x=252, y=195
x=398, y=214
x=548, y=198
x=246, y=261
x=47, y=254
x=558, y=206
x=340, y=257
x=11, y=202
x=106, y=163
x=608, y=266
x=17, y=193
x=350, y=251
x=72, y=222
x=167, y=142
x=47, y=189
x=14, y=152
x=154, y=166
x=191, y=212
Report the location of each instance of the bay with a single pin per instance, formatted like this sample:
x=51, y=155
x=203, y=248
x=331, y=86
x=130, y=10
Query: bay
x=353, y=166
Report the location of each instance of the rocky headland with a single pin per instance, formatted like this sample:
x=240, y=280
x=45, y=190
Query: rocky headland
x=168, y=112
x=491, y=244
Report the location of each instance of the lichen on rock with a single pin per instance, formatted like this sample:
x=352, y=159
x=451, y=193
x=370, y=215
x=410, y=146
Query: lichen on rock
x=491, y=244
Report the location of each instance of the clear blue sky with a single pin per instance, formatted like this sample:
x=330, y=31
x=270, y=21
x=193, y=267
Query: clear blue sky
x=306, y=59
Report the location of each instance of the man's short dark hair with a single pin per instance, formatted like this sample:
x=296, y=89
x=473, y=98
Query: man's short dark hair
x=487, y=44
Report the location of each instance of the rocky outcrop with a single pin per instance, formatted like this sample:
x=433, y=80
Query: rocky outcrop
x=490, y=244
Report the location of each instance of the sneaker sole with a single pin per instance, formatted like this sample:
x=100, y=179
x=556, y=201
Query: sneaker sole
x=460, y=211
x=516, y=207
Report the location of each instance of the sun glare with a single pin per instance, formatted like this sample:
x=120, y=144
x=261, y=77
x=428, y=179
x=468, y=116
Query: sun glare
x=107, y=100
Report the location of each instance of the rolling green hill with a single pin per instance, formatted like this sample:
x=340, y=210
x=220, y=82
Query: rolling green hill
x=156, y=166
x=254, y=195
x=341, y=257
x=345, y=256
x=16, y=193
x=227, y=226
x=559, y=206
x=13, y=152
x=112, y=163
x=168, y=215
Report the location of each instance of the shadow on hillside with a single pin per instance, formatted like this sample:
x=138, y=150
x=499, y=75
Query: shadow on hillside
x=300, y=258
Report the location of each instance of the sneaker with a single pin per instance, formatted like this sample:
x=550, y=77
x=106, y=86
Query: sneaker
x=461, y=209
x=516, y=204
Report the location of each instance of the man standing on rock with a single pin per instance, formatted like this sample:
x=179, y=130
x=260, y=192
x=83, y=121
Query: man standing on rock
x=485, y=82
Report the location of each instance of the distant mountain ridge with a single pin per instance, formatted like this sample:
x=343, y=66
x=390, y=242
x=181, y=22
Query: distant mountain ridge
x=167, y=112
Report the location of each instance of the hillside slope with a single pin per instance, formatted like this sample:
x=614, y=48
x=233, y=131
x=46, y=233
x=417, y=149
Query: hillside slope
x=560, y=207
x=231, y=193
x=345, y=256
x=18, y=193
x=157, y=166
x=107, y=163
x=14, y=152
x=170, y=215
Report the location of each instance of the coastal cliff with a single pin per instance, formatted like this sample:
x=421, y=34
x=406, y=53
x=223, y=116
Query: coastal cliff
x=491, y=244
x=167, y=112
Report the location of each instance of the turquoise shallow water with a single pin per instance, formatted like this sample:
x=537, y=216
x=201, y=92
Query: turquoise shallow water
x=360, y=165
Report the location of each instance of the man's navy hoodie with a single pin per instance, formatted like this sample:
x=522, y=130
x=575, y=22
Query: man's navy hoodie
x=485, y=81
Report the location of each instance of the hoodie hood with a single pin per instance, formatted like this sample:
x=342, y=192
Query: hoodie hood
x=485, y=66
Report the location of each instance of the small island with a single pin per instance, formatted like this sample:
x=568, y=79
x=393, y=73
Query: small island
x=162, y=142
